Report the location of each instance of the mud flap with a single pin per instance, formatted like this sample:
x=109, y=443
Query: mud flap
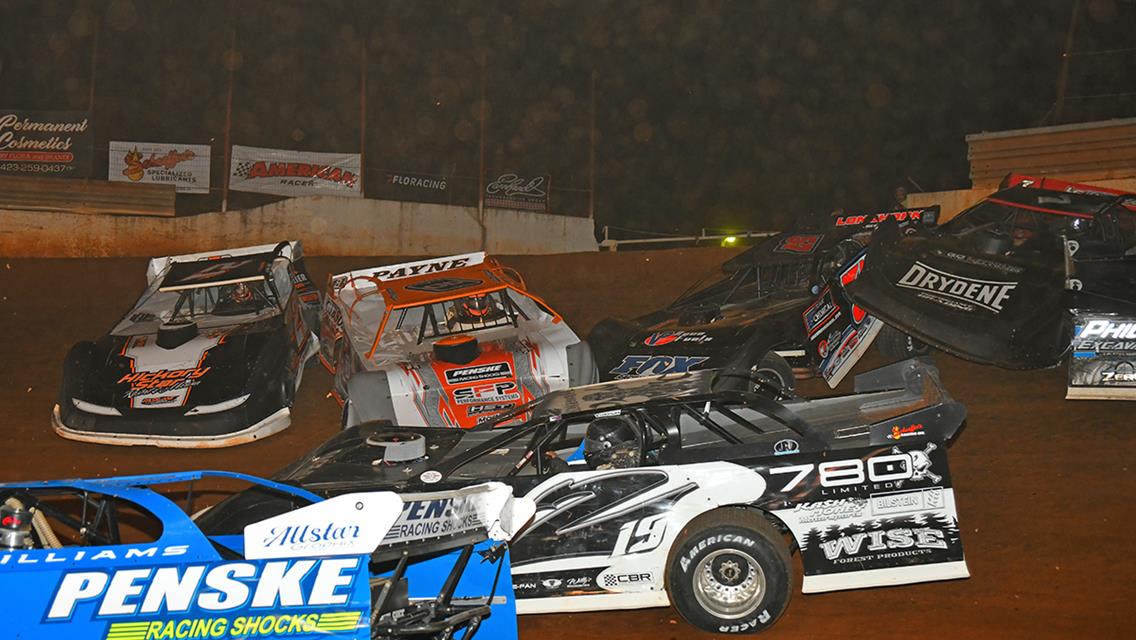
x=839, y=332
x=1102, y=365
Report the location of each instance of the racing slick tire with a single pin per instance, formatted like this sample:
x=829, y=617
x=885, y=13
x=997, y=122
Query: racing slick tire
x=897, y=345
x=776, y=372
x=729, y=572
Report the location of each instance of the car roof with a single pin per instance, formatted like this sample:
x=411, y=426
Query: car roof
x=217, y=271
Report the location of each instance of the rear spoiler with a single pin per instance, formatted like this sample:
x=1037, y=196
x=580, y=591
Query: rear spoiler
x=408, y=269
x=387, y=525
x=1054, y=184
x=921, y=216
x=291, y=249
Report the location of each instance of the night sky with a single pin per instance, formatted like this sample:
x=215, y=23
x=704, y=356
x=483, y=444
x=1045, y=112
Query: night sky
x=741, y=114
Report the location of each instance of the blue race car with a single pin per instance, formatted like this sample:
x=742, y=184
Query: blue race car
x=113, y=559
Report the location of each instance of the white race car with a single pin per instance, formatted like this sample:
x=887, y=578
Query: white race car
x=446, y=342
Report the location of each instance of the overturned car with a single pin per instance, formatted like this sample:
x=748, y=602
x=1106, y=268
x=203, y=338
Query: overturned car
x=120, y=558
x=662, y=490
x=451, y=341
x=747, y=317
x=211, y=355
x=1039, y=270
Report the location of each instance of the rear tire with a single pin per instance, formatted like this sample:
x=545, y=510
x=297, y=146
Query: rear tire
x=776, y=371
x=897, y=345
x=729, y=572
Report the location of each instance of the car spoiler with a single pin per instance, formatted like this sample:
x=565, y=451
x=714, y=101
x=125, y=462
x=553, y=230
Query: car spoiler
x=291, y=249
x=1128, y=198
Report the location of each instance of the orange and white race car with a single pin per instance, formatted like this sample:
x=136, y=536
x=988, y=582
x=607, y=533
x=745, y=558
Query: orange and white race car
x=446, y=342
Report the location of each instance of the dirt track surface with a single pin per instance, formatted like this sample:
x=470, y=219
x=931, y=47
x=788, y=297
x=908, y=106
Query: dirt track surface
x=1044, y=486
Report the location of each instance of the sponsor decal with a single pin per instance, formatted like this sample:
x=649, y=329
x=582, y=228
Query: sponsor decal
x=497, y=392
x=907, y=501
x=786, y=447
x=798, y=244
x=738, y=541
x=551, y=583
x=821, y=314
x=148, y=382
x=431, y=518
x=829, y=510
x=442, y=285
x=663, y=338
x=871, y=219
x=917, y=538
x=978, y=261
x=438, y=265
x=45, y=143
x=898, y=433
x=161, y=400
x=636, y=365
x=69, y=555
x=1105, y=335
x=880, y=540
x=311, y=537
x=511, y=191
x=294, y=173
x=429, y=183
x=483, y=409
x=843, y=476
x=431, y=477
x=987, y=294
x=186, y=166
x=213, y=588
x=620, y=580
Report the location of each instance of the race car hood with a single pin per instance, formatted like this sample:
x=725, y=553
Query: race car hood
x=213, y=366
x=685, y=338
x=1010, y=311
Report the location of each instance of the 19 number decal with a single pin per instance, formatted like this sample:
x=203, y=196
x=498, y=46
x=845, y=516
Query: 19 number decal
x=639, y=536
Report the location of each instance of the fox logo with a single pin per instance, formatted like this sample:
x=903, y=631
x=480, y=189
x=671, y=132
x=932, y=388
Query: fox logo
x=633, y=366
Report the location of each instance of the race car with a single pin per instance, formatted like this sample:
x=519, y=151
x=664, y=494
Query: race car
x=747, y=317
x=452, y=341
x=1041, y=269
x=114, y=559
x=664, y=490
x=211, y=355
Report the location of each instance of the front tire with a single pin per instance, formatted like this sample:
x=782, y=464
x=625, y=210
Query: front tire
x=729, y=572
x=776, y=372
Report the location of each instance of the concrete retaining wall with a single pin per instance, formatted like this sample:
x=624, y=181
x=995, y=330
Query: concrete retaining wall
x=332, y=226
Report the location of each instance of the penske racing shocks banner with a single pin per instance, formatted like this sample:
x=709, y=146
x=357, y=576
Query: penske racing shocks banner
x=186, y=166
x=103, y=597
x=295, y=173
x=45, y=143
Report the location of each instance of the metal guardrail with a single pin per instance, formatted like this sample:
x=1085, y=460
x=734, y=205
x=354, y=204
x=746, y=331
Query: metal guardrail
x=86, y=196
x=613, y=244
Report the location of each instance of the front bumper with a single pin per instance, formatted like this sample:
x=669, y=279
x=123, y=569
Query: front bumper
x=224, y=429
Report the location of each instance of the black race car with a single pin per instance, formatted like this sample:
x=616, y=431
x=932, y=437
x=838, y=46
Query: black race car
x=662, y=489
x=1037, y=270
x=210, y=356
x=746, y=318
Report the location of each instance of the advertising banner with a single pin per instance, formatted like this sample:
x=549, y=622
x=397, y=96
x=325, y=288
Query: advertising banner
x=186, y=166
x=511, y=191
x=413, y=187
x=45, y=143
x=295, y=173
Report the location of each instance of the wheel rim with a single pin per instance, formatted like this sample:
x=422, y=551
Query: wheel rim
x=729, y=583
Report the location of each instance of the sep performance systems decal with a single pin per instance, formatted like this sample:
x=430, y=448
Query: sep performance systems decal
x=272, y=599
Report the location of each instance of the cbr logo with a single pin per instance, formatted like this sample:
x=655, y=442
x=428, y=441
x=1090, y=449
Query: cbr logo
x=654, y=365
x=486, y=393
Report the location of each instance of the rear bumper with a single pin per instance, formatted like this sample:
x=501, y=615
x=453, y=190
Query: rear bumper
x=223, y=429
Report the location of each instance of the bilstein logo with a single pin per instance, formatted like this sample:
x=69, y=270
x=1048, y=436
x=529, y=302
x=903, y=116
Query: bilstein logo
x=988, y=294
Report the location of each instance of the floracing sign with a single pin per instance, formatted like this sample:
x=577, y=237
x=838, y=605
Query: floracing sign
x=45, y=143
x=295, y=173
x=186, y=166
x=511, y=191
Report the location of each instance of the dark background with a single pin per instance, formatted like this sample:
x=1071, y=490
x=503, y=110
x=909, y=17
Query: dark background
x=740, y=114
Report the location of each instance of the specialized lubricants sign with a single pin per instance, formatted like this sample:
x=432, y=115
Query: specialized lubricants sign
x=45, y=143
x=512, y=191
x=186, y=166
x=295, y=173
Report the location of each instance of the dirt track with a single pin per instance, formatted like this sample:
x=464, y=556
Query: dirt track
x=1044, y=486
